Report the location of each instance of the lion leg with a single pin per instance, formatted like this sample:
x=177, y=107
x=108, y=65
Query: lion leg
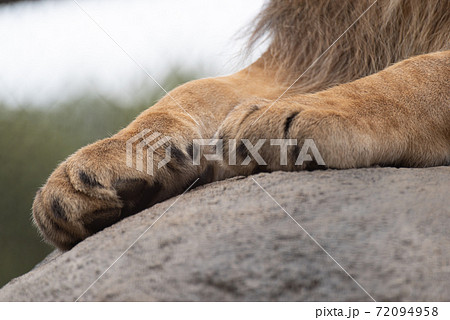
x=399, y=116
x=96, y=186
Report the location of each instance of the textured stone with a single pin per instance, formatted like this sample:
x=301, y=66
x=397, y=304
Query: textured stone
x=387, y=227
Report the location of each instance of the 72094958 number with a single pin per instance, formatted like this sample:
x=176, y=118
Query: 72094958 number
x=404, y=311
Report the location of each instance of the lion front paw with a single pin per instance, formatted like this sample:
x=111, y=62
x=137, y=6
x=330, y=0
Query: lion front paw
x=91, y=190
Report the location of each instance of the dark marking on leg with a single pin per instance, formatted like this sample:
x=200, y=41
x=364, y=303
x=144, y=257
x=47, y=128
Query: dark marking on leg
x=190, y=150
x=54, y=230
x=49, y=226
x=137, y=195
x=242, y=150
x=58, y=210
x=178, y=155
x=253, y=108
x=88, y=180
x=178, y=160
x=288, y=123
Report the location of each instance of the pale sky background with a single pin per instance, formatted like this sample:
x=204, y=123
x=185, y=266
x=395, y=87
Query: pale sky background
x=51, y=50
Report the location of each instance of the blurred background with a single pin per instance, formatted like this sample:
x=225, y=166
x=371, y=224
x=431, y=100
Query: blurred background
x=72, y=72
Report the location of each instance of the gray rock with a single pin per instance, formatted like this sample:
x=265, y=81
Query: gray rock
x=388, y=228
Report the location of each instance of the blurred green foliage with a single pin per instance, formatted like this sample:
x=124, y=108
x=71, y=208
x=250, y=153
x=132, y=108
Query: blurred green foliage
x=32, y=142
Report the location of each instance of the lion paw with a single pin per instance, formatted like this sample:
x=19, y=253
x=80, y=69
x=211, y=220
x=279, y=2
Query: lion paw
x=91, y=190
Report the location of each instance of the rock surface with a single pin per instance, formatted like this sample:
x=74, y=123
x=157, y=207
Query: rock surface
x=388, y=228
